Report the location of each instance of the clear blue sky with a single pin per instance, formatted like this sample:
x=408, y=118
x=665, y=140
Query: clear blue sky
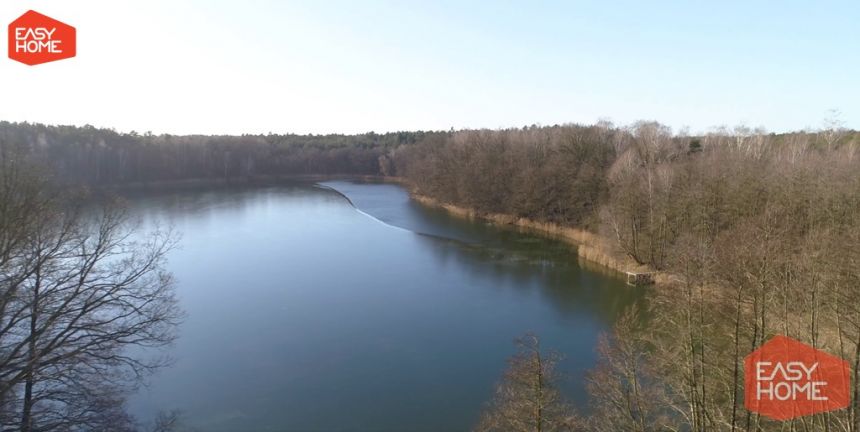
x=349, y=66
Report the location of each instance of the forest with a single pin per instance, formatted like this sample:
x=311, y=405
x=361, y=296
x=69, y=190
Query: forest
x=757, y=233
x=92, y=156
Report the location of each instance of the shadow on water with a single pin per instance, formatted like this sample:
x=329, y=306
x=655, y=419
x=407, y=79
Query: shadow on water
x=512, y=255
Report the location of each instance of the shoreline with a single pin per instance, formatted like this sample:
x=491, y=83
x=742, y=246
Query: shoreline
x=591, y=248
x=235, y=181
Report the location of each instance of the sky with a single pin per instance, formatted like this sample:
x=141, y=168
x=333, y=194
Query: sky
x=233, y=67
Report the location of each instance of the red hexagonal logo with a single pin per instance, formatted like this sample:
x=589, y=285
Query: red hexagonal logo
x=785, y=378
x=35, y=39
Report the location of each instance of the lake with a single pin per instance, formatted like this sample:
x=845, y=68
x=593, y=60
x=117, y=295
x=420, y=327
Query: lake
x=347, y=306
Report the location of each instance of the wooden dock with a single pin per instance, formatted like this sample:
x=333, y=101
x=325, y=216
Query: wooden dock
x=639, y=279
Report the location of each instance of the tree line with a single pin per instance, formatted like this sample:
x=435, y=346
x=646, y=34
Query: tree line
x=93, y=156
x=760, y=235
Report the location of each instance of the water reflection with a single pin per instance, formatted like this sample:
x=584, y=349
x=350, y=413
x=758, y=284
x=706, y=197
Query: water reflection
x=521, y=259
x=305, y=314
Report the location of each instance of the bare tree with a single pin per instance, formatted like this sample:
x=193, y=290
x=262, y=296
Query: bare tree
x=527, y=399
x=833, y=129
x=169, y=421
x=78, y=289
x=643, y=184
x=625, y=394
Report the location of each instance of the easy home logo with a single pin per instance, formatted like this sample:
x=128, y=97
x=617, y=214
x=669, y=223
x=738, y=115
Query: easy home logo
x=786, y=378
x=35, y=39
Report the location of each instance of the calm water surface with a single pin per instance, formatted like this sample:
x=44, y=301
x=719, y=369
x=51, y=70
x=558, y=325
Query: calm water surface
x=310, y=312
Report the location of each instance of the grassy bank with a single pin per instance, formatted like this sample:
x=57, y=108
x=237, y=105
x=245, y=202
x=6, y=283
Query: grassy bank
x=590, y=247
